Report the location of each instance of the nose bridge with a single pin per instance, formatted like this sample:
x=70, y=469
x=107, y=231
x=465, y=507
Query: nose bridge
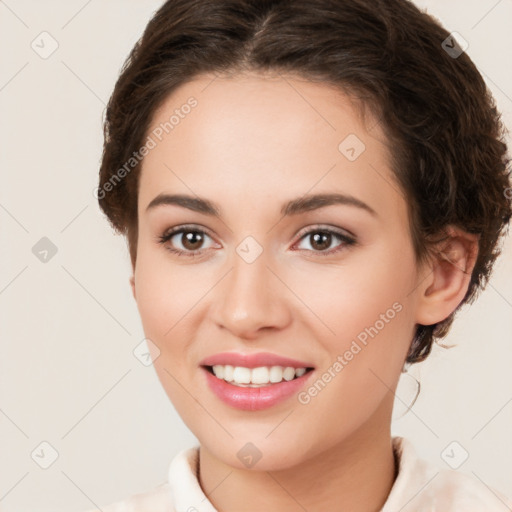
x=249, y=299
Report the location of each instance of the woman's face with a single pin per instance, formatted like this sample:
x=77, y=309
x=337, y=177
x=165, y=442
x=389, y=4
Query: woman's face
x=329, y=284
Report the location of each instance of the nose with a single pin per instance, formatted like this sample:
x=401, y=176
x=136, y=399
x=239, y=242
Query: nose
x=251, y=299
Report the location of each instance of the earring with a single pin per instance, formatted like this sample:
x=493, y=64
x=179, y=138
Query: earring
x=408, y=386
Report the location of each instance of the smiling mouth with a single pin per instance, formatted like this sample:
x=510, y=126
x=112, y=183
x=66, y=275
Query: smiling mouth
x=256, y=377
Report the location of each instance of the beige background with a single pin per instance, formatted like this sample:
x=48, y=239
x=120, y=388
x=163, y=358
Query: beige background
x=68, y=375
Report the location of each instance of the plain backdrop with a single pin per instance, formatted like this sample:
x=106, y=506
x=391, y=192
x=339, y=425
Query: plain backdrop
x=69, y=325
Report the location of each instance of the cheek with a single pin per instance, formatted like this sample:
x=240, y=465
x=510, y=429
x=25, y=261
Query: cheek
x=163, y=301
x=165, y=292
x=363, y=366
x=368, y=309
x=368, y=289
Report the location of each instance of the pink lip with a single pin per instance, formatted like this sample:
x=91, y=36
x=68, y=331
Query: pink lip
x=253, y=360
x=254, y=399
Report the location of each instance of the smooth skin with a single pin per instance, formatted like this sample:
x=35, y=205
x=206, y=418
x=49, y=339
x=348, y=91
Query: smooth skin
x=253, y=143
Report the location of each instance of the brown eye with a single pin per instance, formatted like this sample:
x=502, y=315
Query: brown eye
x=186, y=241
x=321, y=240
x=192, y=240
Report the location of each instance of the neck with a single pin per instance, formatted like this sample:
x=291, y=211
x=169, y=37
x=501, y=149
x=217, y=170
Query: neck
x=356, y=475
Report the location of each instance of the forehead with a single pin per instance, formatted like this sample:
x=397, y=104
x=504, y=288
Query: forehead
x=271, y=136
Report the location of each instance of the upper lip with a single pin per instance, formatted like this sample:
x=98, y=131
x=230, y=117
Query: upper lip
x=253, y=360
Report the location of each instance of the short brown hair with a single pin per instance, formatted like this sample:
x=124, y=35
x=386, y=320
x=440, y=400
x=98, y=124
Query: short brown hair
x=449, y=154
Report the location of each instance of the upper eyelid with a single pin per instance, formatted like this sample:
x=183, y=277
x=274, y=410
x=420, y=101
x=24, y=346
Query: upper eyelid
x=319, y=227
x=323, y=227
x=186, y=227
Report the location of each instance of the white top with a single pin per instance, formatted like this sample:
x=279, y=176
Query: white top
x=419, y=487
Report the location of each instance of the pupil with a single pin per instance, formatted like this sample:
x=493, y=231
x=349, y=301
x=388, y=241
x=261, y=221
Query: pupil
x=191, y=239
x=322, y=240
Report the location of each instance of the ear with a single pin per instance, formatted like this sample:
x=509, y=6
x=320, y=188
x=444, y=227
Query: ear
x=132, y=284
x=448, y=276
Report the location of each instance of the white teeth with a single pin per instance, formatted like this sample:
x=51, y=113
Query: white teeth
x=242, y=375
x=276, y=374
x=289, y=373
x=299, y=372
x=228, y=373
x=218, y=369
x=259, y=375
x=256, y=377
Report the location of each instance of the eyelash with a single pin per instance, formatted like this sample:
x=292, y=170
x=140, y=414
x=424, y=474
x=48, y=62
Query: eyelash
x=347, y=240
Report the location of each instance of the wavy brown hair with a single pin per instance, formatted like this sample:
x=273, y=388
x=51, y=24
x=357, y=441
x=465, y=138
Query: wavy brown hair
x=445, y=136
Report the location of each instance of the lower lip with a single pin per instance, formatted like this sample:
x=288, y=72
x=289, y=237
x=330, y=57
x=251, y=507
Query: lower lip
x=255, y=399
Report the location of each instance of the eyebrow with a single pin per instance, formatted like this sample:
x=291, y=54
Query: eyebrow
x=293, y=207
